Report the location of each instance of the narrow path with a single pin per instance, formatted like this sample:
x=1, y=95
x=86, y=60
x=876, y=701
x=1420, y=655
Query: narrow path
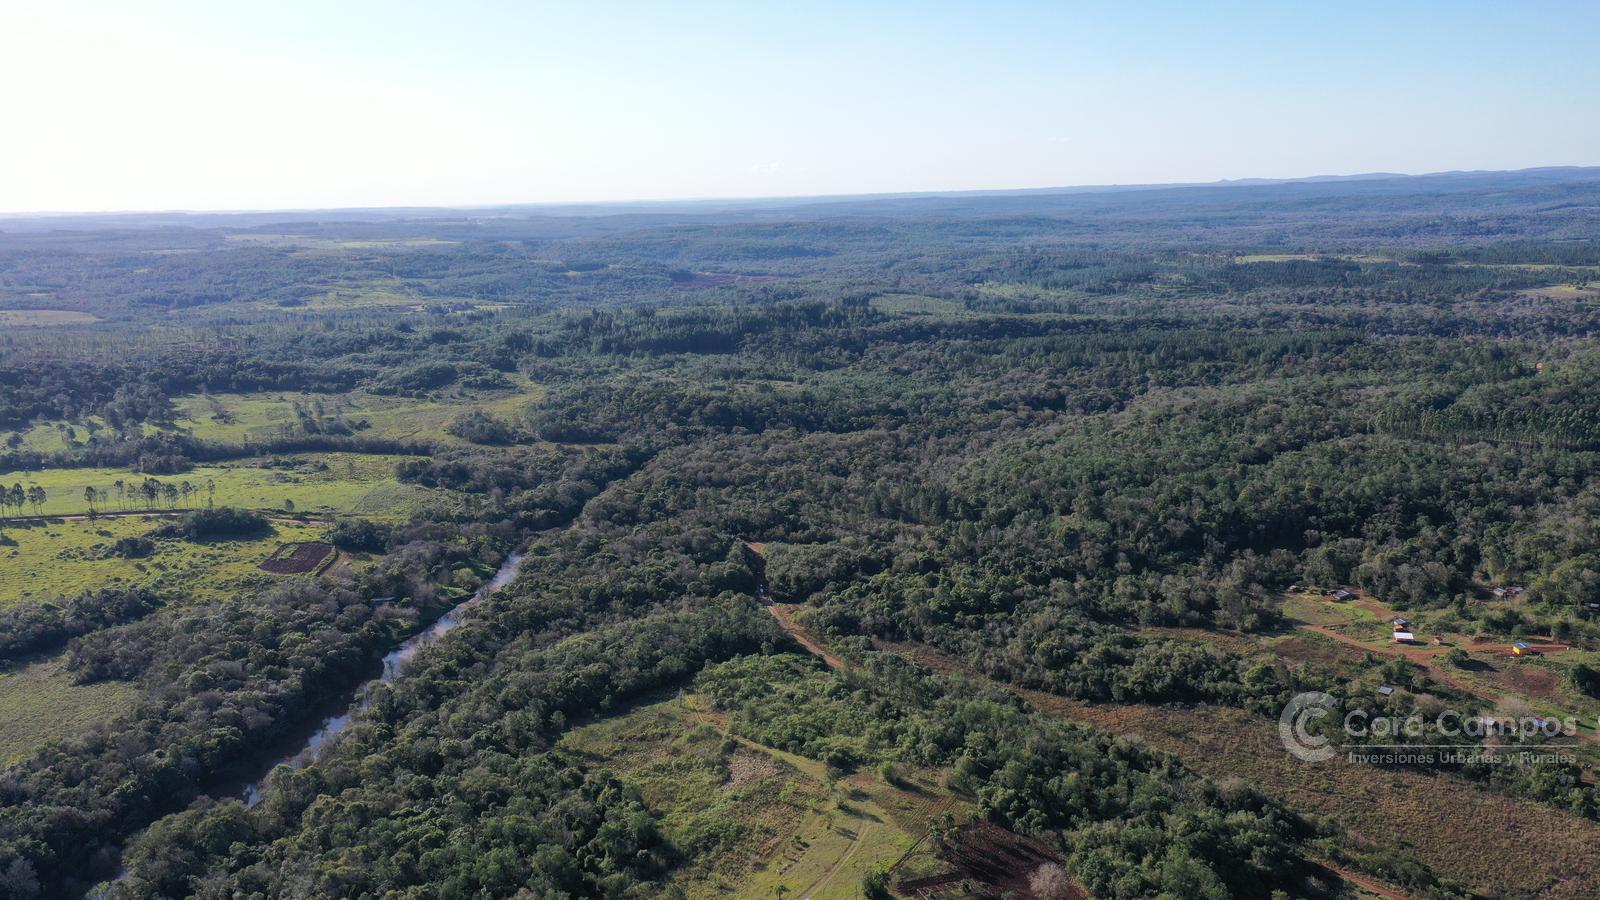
x=784, y=613
x=1364, y=882
x=844, y=857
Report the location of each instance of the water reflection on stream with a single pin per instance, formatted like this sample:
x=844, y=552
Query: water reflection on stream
x=393, y=664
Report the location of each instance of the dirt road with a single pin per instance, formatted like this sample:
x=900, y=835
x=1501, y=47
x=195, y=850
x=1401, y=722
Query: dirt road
x=784, y=613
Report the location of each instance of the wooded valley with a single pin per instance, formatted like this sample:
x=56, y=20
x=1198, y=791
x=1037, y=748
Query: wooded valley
x=953, y=546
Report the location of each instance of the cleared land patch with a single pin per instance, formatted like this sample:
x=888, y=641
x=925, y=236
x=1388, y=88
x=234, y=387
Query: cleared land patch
x=297, y=559
x=64, y=558
x=917, y=304
x=39, y=704
x=754, y=817
x=1500, y=845
x=241, y=419
x=319, y=483
x=315, y=242
x=1564, y=292
x=45, y=437
x=42, y=318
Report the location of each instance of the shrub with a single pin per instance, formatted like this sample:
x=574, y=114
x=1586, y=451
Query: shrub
x=1586, y=678
x=360, y=535
x=132, y=548
x=224, y=521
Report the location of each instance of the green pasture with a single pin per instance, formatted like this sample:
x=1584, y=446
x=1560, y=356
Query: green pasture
x=257, y=417
x=760, y=822
x=315, y=483
x=67, y=557
x=39, y=705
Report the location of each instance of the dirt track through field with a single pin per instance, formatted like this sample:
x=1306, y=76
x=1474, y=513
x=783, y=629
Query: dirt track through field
x=1462, y=831
x=784, y=613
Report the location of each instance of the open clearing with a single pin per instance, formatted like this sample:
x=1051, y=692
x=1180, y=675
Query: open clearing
x=39, y=704
x=1308, y=257
x=245, y=418
x=1492, y=673
x=319, y=483
x=42, y=318
x=917, y=304
x=1564, y=292
x=64, y=558
x=45, y=437
x=760, y=817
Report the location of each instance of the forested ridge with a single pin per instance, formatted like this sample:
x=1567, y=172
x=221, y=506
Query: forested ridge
x=1081, y=446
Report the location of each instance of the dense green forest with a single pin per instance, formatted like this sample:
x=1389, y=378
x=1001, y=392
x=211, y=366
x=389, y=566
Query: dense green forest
x=1104, y=449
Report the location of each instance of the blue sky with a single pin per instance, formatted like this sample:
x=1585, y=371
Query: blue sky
x=162, y=105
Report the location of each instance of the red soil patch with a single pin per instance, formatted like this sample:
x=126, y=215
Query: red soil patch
x=1338, y=657
x=297, y=559
x=1530, y=681
x=1368, y=884
x=1502, y=648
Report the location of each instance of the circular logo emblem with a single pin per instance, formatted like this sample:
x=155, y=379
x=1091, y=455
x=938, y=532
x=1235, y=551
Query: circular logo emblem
x=1297, y=717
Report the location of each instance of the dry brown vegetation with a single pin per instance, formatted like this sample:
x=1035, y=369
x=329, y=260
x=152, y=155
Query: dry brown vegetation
x=1500, y=846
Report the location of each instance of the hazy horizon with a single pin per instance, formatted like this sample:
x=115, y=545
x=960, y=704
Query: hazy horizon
x=798, y=198
x=207, y=108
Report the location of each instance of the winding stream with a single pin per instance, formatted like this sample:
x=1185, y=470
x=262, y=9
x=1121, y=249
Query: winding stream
x=393, y=664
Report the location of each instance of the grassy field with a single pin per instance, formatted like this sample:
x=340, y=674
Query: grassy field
x=753, y=817
x=39, y=704
x=1314, y=609
x=46, y=437
x=316, y=483
x=1564, y=292
x=240, y=418
x=39, y=318
x=917, y=304
x=67, y=557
